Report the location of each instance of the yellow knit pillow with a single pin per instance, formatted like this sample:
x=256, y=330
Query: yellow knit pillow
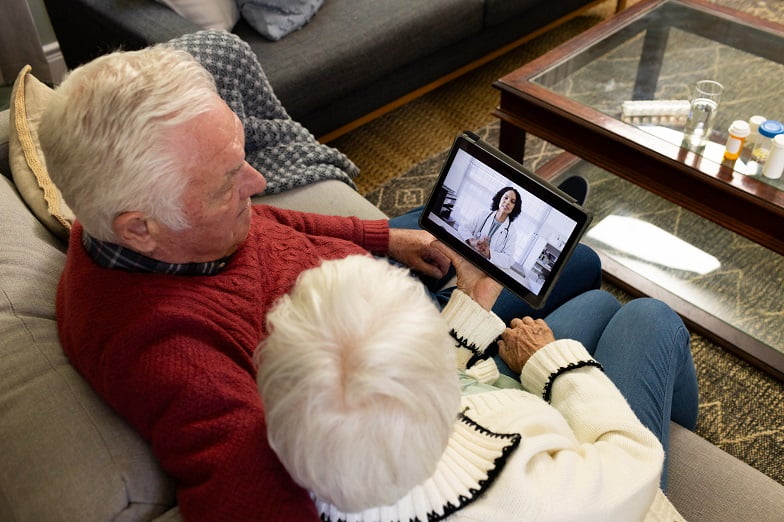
x=28, y=167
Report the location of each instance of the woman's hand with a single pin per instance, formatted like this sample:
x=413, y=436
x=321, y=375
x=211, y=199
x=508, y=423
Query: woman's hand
x=519, y=342
x=413, y=248
x=475, y=283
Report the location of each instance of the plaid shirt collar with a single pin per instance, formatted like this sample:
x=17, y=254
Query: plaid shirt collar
x=110, y=255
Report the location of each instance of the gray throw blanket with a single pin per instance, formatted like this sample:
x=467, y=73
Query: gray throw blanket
x=284, y=151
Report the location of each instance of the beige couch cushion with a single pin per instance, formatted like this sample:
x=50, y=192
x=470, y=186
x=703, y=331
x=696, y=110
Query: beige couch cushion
x=706, y=484
x=65, y=455
x=28, y=166
x=330, y=197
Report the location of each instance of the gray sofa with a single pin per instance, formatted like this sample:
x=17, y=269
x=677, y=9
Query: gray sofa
x=65, y=456
x=354, y=57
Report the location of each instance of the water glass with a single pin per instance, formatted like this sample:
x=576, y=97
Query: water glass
x=702, y=115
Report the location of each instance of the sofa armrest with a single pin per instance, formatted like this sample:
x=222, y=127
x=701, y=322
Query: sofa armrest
x=330, y=197
x=707, y=484
x=86, y=29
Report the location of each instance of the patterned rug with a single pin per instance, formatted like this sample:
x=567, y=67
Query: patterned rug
x=740, y=406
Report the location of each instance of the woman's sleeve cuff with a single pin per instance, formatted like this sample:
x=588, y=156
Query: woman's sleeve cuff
x=553, y=360
x=484, y=371
x=470, y=322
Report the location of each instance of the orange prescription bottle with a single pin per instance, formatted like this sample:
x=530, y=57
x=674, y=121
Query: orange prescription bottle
x=739, y=130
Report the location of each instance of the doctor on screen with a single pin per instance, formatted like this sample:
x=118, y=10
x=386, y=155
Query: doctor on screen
x=491, y=233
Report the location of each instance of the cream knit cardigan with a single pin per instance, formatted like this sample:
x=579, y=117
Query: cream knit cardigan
x=583, y=456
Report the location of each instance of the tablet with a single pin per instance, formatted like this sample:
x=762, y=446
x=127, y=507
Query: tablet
x=501, y=217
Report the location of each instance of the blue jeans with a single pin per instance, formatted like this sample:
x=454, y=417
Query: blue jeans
x=644, y=348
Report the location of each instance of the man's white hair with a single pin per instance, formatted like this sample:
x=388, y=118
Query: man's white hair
x=104, y=135
x=359, y=382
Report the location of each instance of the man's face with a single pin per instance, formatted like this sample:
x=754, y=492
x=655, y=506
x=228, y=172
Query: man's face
x=219, y=184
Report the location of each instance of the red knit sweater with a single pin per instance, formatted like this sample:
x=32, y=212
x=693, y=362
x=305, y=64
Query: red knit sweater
x=172, y=354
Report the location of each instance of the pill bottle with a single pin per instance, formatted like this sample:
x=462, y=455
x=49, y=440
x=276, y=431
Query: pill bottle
x=752, y=142
x=754, y=135
x=767, y=130
x=775, y=164
x=739, y=131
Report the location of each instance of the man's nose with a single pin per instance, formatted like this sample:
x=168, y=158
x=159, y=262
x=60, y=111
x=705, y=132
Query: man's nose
x=254, y=182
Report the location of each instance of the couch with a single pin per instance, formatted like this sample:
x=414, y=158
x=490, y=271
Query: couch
x=352, y=61
x=66, y=456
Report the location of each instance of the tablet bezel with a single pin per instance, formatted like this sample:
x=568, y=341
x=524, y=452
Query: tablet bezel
x=523, y=179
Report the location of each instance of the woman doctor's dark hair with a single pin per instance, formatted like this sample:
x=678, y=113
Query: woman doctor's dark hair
x=518, y=203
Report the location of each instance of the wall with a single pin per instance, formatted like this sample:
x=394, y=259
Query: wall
x=41, y=20
x=26, y=37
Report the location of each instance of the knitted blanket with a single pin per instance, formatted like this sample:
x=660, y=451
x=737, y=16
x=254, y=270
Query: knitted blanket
x=284, y=151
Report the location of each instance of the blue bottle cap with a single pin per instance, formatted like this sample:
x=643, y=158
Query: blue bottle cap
x=771, y=128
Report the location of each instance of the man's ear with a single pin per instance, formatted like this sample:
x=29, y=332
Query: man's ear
x=133, y=230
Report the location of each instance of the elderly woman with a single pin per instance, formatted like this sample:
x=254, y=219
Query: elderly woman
x=365, y=410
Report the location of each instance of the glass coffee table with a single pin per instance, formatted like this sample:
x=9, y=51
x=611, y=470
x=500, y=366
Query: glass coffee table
x=573, y=97
x=657, y=50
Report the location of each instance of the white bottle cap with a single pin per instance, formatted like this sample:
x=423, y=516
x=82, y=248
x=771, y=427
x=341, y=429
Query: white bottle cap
x=775, y=165
x=755, y=121
x=740, y=128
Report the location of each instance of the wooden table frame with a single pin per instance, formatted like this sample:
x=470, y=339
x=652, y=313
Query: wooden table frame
x=712, y=190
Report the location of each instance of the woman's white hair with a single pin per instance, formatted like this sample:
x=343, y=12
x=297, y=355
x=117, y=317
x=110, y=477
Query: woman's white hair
x=104, y=135
x=359, y=382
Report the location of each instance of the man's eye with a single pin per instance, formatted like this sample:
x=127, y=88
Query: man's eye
x=224, y=193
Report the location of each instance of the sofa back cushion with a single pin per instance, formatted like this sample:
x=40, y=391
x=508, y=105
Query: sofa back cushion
x=65, y=454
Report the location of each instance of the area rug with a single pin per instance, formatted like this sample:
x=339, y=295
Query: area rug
x=740, y=407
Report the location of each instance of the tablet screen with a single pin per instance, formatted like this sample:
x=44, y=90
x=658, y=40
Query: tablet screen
x=512, y=225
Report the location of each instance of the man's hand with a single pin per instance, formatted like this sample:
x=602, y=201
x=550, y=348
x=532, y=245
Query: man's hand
x=413, y=249
x=475, y=283
x=519, y=342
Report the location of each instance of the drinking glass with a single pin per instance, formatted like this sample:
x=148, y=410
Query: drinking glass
x=702, y=114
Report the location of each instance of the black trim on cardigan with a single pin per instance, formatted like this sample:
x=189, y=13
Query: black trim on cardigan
x=478, y=355
x=513, y=439
x=548, y=387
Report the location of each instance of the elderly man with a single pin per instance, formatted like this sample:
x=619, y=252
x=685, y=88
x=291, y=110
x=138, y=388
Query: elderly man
x=171, y=270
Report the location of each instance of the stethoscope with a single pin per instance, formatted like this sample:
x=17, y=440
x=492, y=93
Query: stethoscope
x=506, y=232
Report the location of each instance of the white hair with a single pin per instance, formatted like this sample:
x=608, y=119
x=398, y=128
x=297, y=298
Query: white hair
x=359, y=382
x=104, y=135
